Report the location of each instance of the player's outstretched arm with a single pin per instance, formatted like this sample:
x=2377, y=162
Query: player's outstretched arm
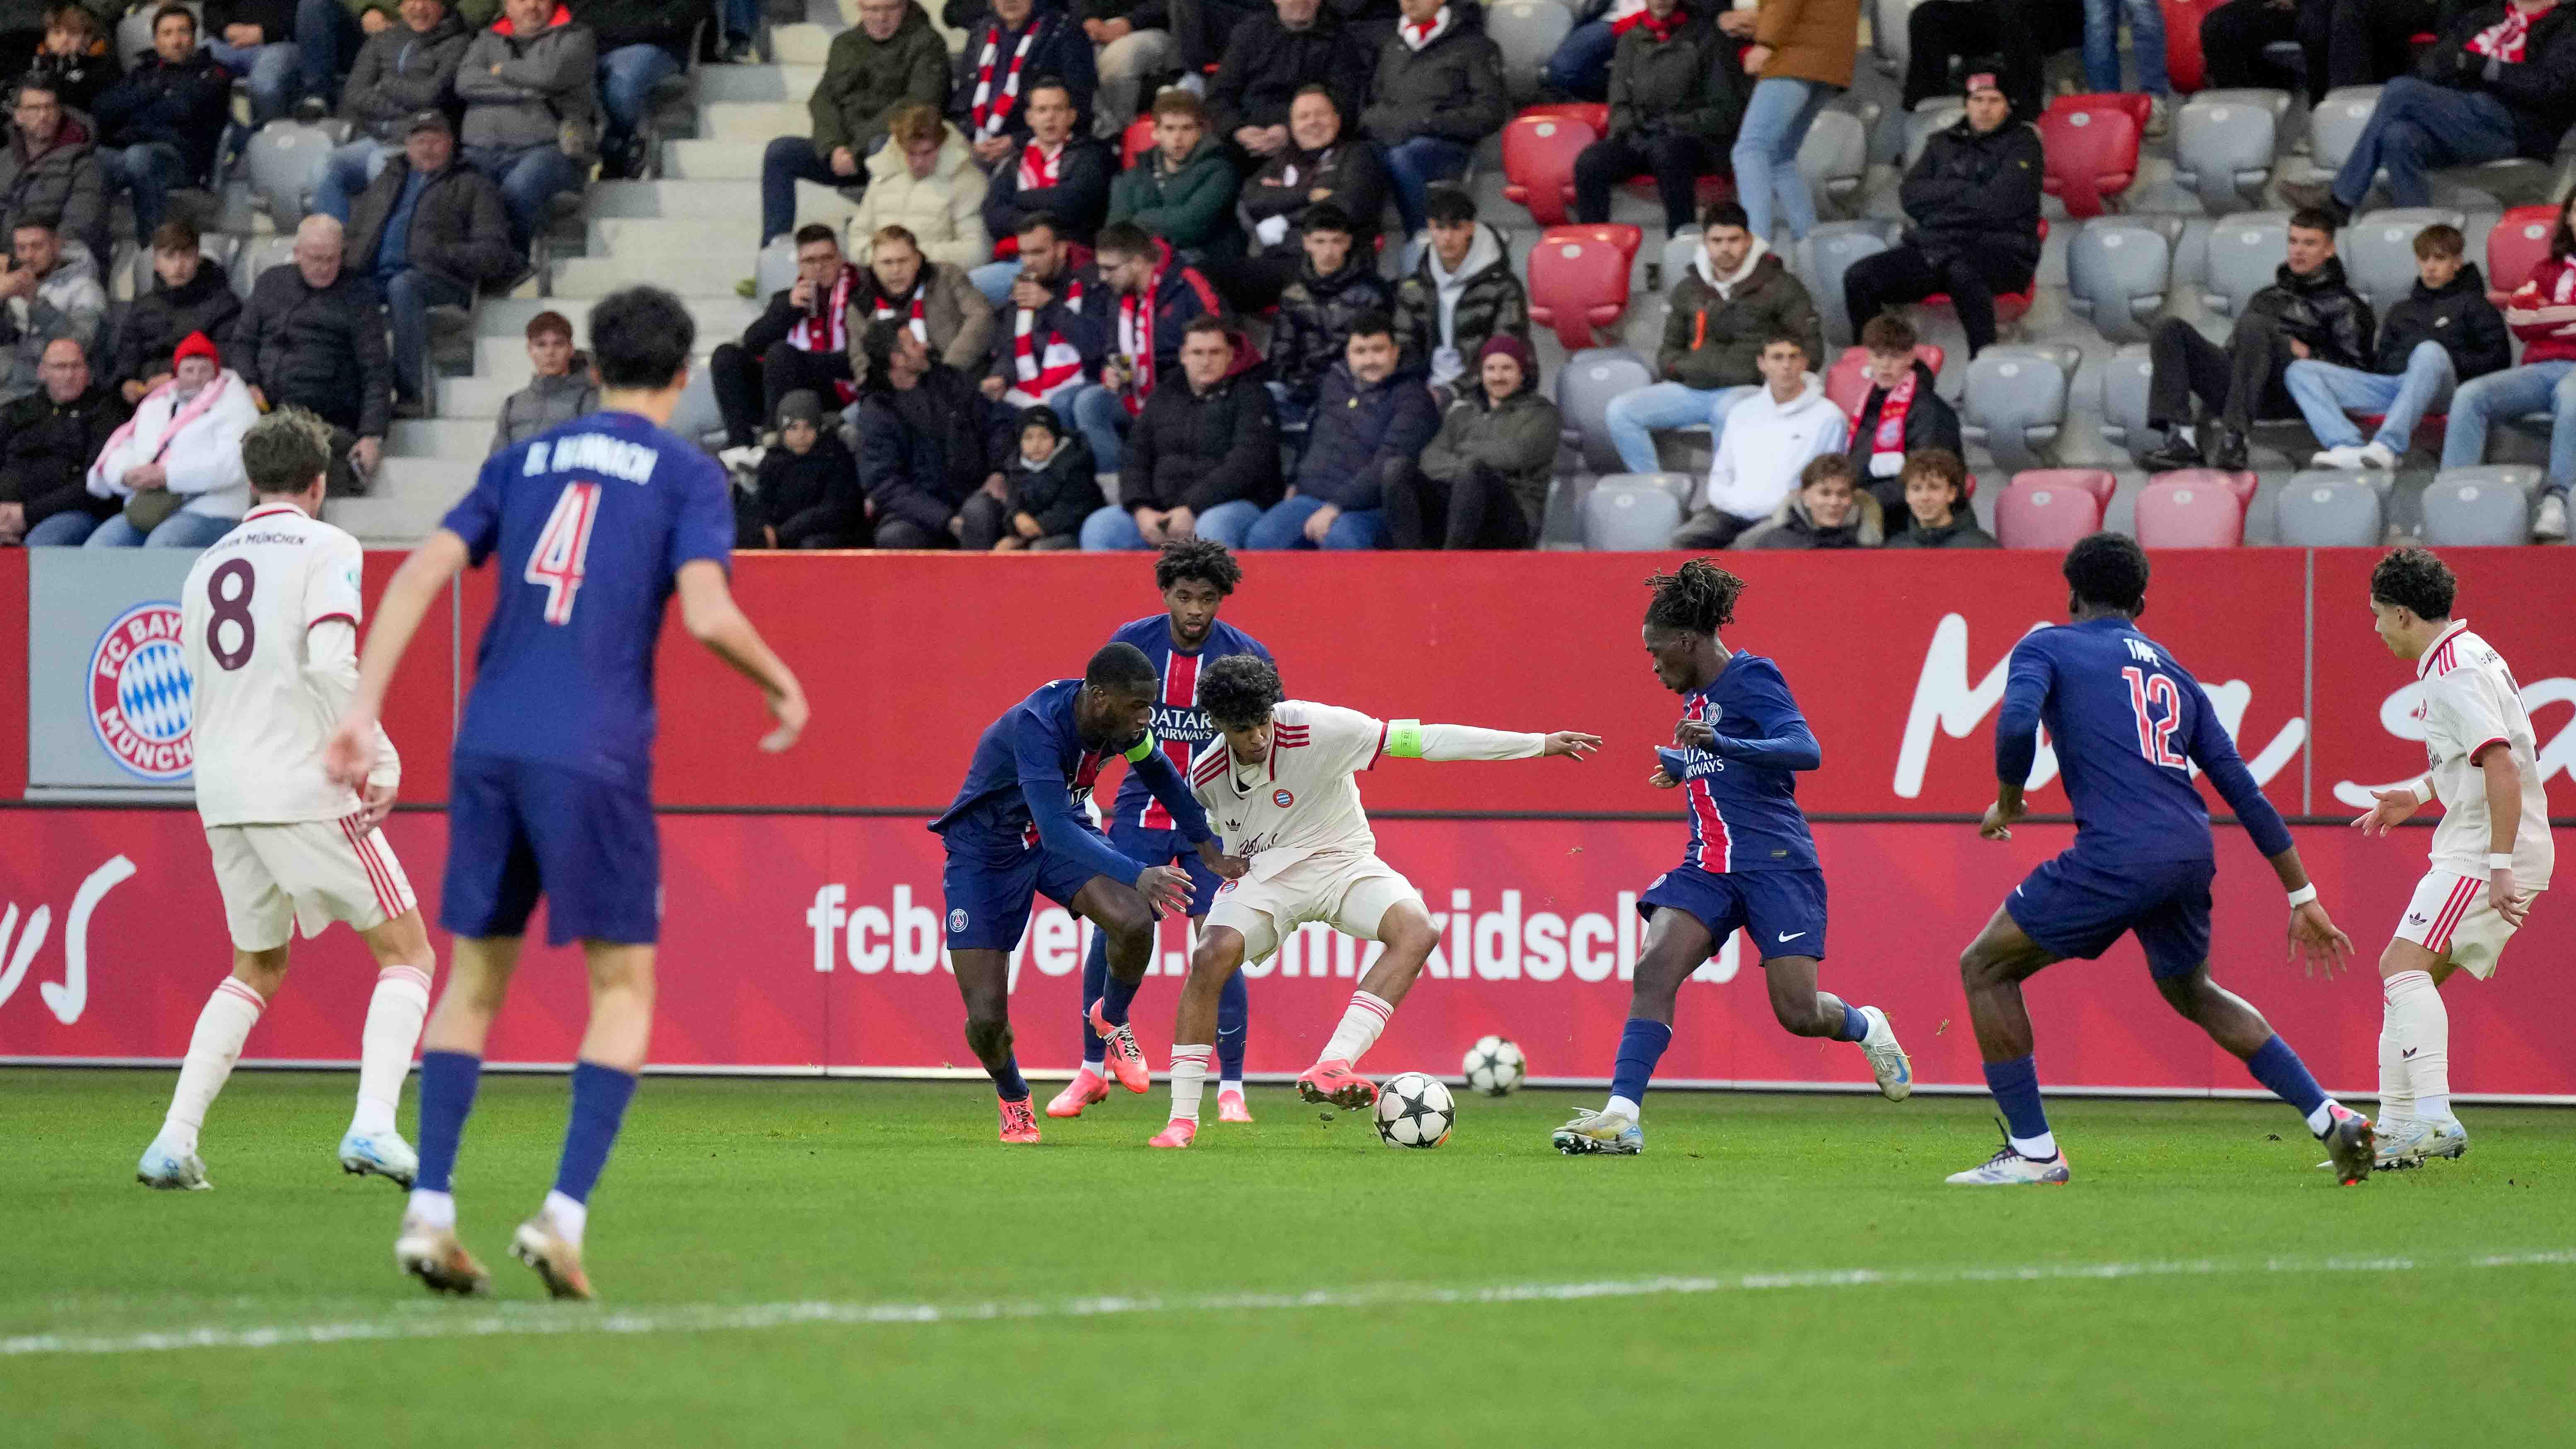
x=2503, y=781
x=708, y=612
x=350, y=754
x=1411, y=739
x=2395, y=807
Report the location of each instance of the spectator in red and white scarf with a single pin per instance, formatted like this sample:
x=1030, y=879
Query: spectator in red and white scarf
x=800, y=342
x=1053, y=330
x=1901, y=415
x=1012, y=46
x=1059, y=172
x=2501, y=81
x=1150, y=298
x=933, y=299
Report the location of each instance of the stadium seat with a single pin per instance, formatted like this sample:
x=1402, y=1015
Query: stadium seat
x=2176, y=511
x=1578, y=279
x=1847, y=381
x=776, y=269
x=2100, y=482
x=2336, y=125
x=1632, y=513
x=2015, y=403
x=2009, y=306
x=2240, y=486
x=257, y=255
x=2183, y=63
x=1887, y=34
x=2223, y=144
x=2378, y=251
x=1527, y=32
x=1834, y=157
x=2474, y=507
x=1539, y=148
x=2117, y=273
x=1584, y=387
x=1560, y=523
x=1829, y=251
x=2124, y=399
x=1679, y=250
x=284, y=160
x=1138, y=140
x=214, y=246
x=134, y=32
x=2091, y=153
x=2043, y=514
x=1938, y=113
x=2515, y=245
x=697, y=417
x=2316, y=511
x=2244, y=252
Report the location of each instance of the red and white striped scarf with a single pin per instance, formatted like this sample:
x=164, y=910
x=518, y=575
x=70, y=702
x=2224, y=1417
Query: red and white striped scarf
x=920, y=325
x=1418, y=36
x=1890, y=435
x=1136, y=332
x=1042, y=367
x=830, y=333
x=991, y=112
x=2504, y=40
x=1039, y=166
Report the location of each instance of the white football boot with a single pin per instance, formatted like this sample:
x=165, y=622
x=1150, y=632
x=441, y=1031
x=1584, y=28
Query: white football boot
x=384, y=1154
x=2445, y=1138
x=1887, y=1061
x=171, y=1171
x=2008, y=1168
x=1615, y=1133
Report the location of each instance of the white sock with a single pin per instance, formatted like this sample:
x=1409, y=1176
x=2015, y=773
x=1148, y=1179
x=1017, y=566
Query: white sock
x=570, y=1217
x=2039, y=1148
x=2188, y=434
x=394, y=1016
x=1358, y=1031
x=2396, y=1087
x=1625, y=1108
x=2322, y=1118
x=1234, y=1085
x=2422, y=1026
x=1189, y=1080
x=222, y=1027
x=433, y=1209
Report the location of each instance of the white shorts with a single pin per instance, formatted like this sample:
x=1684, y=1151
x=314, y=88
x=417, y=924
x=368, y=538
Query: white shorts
x=2452, y=915
x=1352, y=893
x=276, y=877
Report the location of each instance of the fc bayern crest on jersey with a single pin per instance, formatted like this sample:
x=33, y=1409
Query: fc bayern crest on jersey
x=139, y=692
x=1282, y=799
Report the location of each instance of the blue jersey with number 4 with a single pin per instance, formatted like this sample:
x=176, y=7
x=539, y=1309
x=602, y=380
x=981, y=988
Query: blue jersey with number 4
x=591, y=522
x=2128, y=724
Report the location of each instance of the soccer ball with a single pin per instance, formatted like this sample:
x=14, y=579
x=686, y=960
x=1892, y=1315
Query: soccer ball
x=1414, y=1110
x=1495, y=1066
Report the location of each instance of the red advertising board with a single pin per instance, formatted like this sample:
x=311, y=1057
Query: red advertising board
x=811, y=943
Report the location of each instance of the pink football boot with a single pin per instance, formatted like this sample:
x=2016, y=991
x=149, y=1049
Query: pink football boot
x=1179, y=1132
x=1086, y=1089
x=1332, y=1080
x=1019, y=1124
x=1126, y=1059
x=1230, y=1108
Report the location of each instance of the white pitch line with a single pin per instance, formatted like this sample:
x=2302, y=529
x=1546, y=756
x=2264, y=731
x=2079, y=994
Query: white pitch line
x=515, y=1319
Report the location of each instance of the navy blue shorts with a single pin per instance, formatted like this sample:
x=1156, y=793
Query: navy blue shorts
x=1168, y=847
x=2075, y=907
x=1784, y=909
x=989, y=900
x=517, y=830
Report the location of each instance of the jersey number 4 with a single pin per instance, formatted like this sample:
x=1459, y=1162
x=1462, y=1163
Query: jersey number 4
x=2155, y=736
x=563, y=547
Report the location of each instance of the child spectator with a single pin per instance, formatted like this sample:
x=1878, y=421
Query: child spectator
x=1827, y=511
x=2445, y=333
x=1053, y=489
x=1936, y=512
x=806, y=494
x=560, y=387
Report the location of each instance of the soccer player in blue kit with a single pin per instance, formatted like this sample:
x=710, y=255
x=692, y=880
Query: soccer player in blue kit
x=1751, y=862
x=1195, y=577
x=2128, y=724
x=596, y=522
x=1018, y=830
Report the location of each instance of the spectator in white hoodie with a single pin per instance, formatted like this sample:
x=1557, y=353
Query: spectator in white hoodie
x=176, y=465
x=1769, y=438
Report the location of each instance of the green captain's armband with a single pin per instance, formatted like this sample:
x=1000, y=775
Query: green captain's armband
x=1144, y=746
x=1404, y=738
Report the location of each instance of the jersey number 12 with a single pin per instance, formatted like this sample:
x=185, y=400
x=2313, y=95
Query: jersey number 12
x=563, y=546
x=2155, y=736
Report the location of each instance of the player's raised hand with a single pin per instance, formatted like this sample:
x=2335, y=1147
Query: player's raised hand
x=350, y=753
x=2395, y=807
x=1695, y=734
x=2512, y=904
x=374, y=804
x=2315, y=937
x=1661, y=779
x=1166, y=888
x=1570, y=742
x=1999, y=818
x=788, y=708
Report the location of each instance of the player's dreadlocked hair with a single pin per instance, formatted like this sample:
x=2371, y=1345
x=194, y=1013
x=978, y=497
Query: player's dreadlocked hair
x=1122, y=666
x=1238, y=691
x=1699, y=596
x=1197, y=557
x=2108, y=569
x=2414, y=578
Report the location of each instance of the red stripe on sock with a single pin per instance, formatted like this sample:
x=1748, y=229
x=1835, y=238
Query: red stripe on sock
x=245, y=991
x=404, y=973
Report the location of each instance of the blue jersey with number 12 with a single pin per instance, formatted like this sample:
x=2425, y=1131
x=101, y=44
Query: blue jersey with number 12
x=592, y=521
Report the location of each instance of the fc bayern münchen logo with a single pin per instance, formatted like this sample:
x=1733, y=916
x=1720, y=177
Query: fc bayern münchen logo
x=139, y=690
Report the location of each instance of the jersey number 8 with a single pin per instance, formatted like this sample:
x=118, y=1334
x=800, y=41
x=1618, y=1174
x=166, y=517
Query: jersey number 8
x=562, y=547
x=2155, y=736
x=233, y=609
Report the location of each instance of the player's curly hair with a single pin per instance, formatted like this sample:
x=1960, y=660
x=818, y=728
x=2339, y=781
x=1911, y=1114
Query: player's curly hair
x=2108, y=569
x=1238, y=691
x=1699, y=596
x=1197, y=557
x=2417, y=579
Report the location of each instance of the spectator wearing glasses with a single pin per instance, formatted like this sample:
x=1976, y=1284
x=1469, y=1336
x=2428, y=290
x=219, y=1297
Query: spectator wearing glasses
x=49, y=166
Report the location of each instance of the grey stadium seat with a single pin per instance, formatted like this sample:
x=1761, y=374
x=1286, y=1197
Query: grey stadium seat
x=2223, y=145
x=1828, y=252
x=1527, y=32
x=1679, y=250
x=2337, y=123
x=697, y=417
x=216, y=247
x=2337, y=511
x=2468, y=507
x=1585, y=386
x=776, y=269
x=1835, y=156
x=2015, y=403
x=284, y=161
x=1631, y=513
x=2124, y=399
x=2378, y=250
x=2117, y=272
x=258, y=255
x=2244, y=251
x=1934, y=114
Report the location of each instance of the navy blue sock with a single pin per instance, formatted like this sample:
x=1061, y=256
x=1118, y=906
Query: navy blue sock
x=599, y=1098
x=2016, y=1087
x=1641, y=1045
x=1855, y=1025
x=1095, y=972
x=1008, y=1084
x=2279, y=1068
x=1233, y=1016
x=447, y=1081
x=1116, y=996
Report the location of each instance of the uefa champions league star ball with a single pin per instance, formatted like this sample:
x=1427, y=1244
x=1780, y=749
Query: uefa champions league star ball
x=1414, y=1110
x=1495, y=1066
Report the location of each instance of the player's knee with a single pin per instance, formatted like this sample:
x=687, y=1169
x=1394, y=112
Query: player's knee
x=988, y=1036
x=261, y=971
x=1802, y=1018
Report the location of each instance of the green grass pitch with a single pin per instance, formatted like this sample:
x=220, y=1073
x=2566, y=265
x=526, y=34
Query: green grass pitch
x=1776, y=1270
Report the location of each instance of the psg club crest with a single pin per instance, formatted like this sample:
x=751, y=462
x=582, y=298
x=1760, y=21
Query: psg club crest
x=139, y=691
x=1282, y=799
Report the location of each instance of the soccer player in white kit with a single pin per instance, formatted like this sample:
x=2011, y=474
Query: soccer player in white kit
x=1280, y=787
x=2491, y=849
x=269, y=625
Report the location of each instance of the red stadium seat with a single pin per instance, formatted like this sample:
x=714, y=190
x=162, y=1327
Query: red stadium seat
x=2515, y=244
x=2096, y=481
x=1539, y=147
x=1138, y=140
x=1847, y=381
x=2136, y=105
x=2183, y=63
x=2092, y=153
x=2240, y=486
x=2042, y=515
x=2009, y=306
x=2185, y=510
x=1578, y=279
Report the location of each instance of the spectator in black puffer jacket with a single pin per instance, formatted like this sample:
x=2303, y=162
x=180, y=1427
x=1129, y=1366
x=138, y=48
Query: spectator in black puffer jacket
x=158, y=128
x=1436, y=92
x=807, y=494
x=1323, y=165
x=1053, y=487
x=189, y=294
x=1677, y=94
x=48, y=439
x=1900, y=417
x=313, y=337
x=1972, y=219
x=1203, y=457
x=1337, y=286
x=1270, y=60
x=2445, y=333
x=1372, y=421
x=934, y=452
x=642, y=43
